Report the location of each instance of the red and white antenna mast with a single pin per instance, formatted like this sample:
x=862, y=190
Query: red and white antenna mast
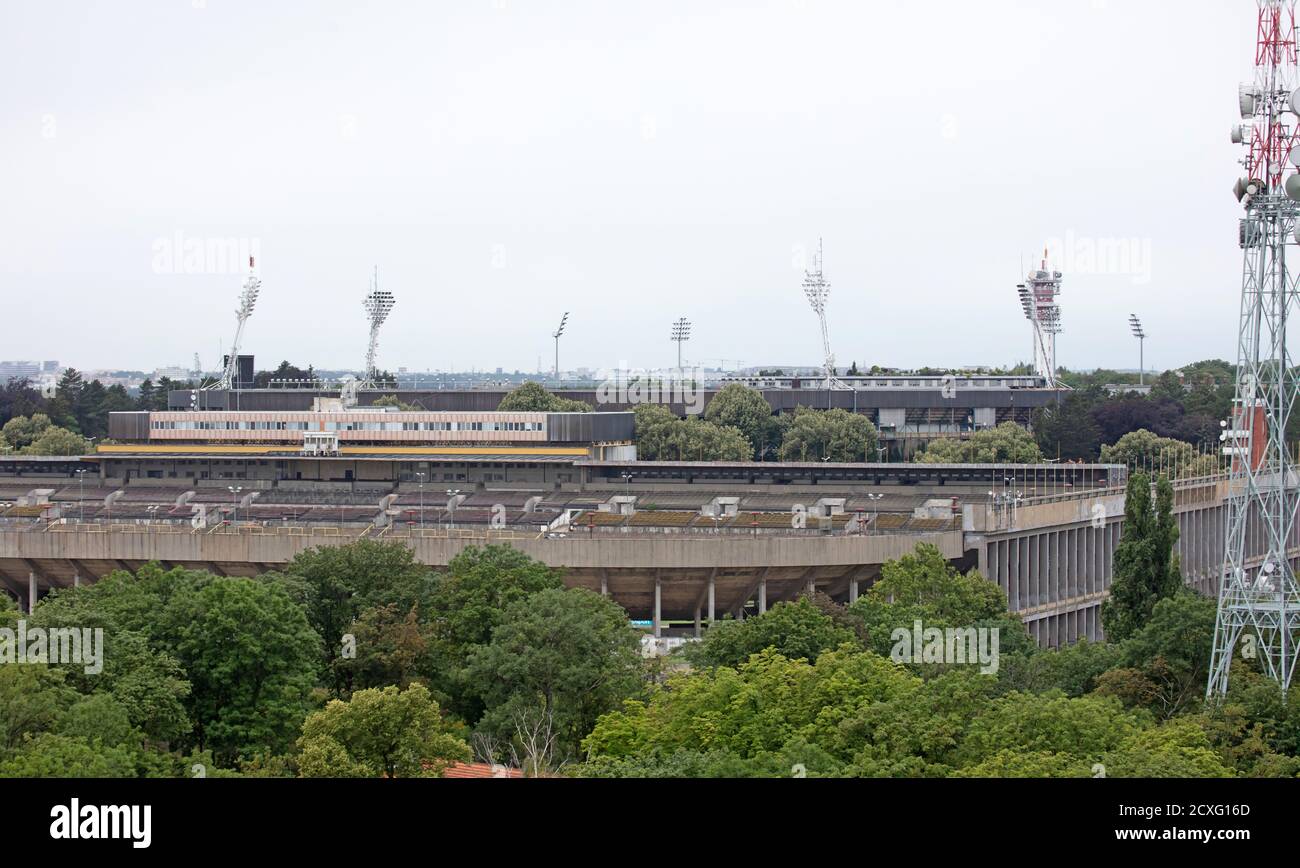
x=1259, y=599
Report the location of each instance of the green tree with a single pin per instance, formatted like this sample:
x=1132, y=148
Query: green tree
x=1067, y=431
x=379, y=733
x=250, y=655
x=1173, y=458
x=534, y=398
x=1008, y=443
x=21, y=432
x=828, y=435
x=1146, y=569
x=745, y=409
x=562, y=658
x=57, y=441
x=795, y=630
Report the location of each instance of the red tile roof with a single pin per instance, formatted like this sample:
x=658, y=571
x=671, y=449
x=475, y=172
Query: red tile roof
x=481, y=770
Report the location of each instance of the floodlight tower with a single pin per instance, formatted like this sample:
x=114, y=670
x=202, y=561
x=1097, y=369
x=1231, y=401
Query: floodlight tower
x=557, y=334
x=378, y=305
x=1038, y=298
x=681, y=334
x=247, y=301
x=818, y=291
x=1135, y=325
x=1258, y=596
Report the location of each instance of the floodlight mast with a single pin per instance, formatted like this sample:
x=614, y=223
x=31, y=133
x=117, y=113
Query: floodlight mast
x=1135, y=325
x=378, y=305
x=247, y=301
x=557, y=334
x=681, y=334
x=1038, y=298
x=818, y=291
x=1259, y=602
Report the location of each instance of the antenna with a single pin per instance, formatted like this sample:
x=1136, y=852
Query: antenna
x=681, y=334
x=818, y=291
x=1258, y=593
x=378, y=305
x=559, y=332
x=1038, y=299
x=247, y=301
x=1135, y=325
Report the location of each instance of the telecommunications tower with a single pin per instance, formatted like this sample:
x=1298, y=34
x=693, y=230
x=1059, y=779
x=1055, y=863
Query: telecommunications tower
x=378, y=305
x=1259, y=605
x=818, y=290
x=247, y=301
x=1038, y=296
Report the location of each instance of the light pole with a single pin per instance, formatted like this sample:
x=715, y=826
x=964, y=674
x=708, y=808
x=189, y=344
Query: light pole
x=234, y=501
x=875, y=508
x=81, y=496
x=1138, y=332
x=564, y=321
x=420, y=477
x=627, y=483
x=681, y=334
x=451, y=502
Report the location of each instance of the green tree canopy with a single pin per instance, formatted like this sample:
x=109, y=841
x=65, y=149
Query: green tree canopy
x=1146, y=569
x=829, y=435
x=534, y=398
x=1008, y=443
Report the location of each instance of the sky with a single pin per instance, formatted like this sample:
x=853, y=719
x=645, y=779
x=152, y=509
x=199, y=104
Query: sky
x=504, y=161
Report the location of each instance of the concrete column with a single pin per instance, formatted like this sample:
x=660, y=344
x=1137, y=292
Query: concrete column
x=712, y=608
x=76, y=580
x=762, y=596
x=697, y=622
x=31, y=593
x=853, y=589
x=812, y=586
x=658, y=608
x=604, y=583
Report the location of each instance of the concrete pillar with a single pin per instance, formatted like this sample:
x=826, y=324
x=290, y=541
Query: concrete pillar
x=604, y=583
x=853, y=589
x=712, y=607
x=658, y=607
x=762, y=596
x=697, y=622
x=76, y=580
x=31, y=593
x=812, y=586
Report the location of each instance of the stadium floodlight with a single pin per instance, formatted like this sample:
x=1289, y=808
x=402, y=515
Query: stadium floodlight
x=557, y=334
x=378, y=305
x=818, y=291
x=1135, y=325
x=247, y=301
x=681, y=334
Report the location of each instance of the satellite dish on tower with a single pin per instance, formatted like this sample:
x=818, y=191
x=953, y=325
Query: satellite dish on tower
x=1293, y=188
x=1246, y=97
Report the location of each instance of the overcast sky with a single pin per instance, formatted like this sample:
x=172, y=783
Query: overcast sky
x=502, y=161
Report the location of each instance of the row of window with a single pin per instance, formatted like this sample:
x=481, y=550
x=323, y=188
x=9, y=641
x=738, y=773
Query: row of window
x=159, y=425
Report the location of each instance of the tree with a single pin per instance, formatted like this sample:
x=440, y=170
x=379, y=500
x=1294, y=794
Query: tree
x=795, y=630
x=21, y=432
x=534, y=398
x=559, y=657
x=56, y=441
x=1167, y=660
x=828, y=435
x=1146, y=570
x=390, y=647
x=1174, y=458
x=251, y=656
x=379, y=733
x=745, y=409
x=1067, y=431
x=1008, y=443
x=661, y=436
x=467, y=603
x=335, y=584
